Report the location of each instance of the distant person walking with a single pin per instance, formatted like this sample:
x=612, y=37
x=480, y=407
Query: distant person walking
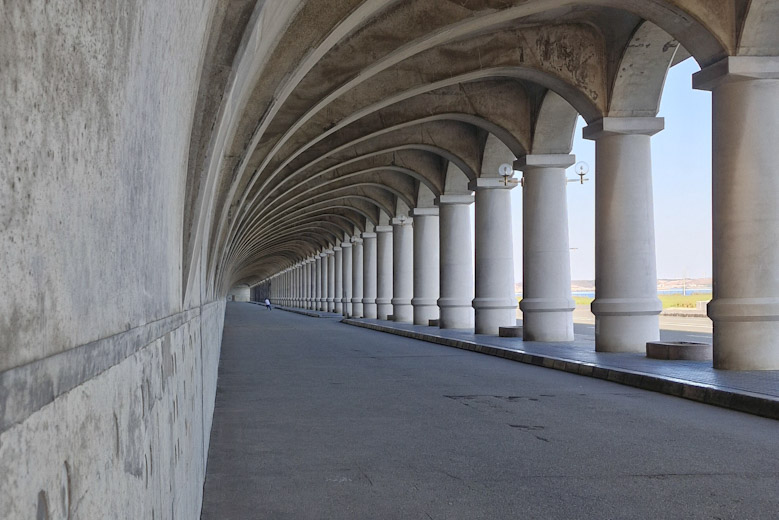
x=268, y=305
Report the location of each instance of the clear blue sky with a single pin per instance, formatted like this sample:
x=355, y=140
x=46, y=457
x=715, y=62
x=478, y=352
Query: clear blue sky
x=681, y=164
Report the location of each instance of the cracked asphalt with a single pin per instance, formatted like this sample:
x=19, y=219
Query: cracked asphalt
x=319, y=420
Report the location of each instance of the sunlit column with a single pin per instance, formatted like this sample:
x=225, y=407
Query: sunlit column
x=357, y=281
x=745, y=226
x=626, y=306
x=547, y=305
x=347, y=278
x=426, y=260
x=383, y=272
x=495, y=304
x=369, y=275
x=402, y=269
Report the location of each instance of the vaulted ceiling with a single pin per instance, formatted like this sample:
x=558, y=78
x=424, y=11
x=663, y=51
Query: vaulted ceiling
x=319, y=119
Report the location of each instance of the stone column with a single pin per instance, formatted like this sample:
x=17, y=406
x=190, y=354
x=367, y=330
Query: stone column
x=383, y=272
x=456, y=262
x=402, y=269
x=745, y=225
x=357, y=268
x=369, y=276
x=626, y=306
x=325, y=255
x=309, y=274
x=302, y=284
x=547, y=305
x=299, y=284
x=495, y=305
x=318, y=282
x=426, y=260
x=330, y=280
x=339, y=281
x=347, y=279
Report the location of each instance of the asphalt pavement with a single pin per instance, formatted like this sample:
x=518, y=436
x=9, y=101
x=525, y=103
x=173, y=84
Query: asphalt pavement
x=316, y=419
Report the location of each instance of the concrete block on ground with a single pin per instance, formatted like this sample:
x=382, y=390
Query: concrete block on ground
x=679, y=350
x=510, y=332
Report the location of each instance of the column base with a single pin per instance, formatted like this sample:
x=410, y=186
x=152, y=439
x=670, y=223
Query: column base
x=626, y=324
x=369, y=309
x=745, y=333
x=424, y=313
x=547, y=319
x=746, y=345
x=547, y=326
x=455, y=313
x=357, y=310
x=625, y=333
x=488, y=321
x=402, y=311
x=383, y=310
x=339, y=308
x=456, y=318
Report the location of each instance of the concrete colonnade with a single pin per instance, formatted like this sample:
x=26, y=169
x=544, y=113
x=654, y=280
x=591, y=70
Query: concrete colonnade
x=384, y=272
x=547, y=305
x=357, y=277
x=370, y=272
x=346, y=299
x=402, y=269
x=426, y=265
x=626, y=306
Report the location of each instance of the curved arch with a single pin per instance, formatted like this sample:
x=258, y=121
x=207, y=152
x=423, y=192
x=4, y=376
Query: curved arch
x=555, y=125
x=638, y=86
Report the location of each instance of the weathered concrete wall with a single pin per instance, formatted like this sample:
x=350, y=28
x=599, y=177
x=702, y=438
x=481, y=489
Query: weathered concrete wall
x=107, y=380
x=128, y=443
x=98, y=101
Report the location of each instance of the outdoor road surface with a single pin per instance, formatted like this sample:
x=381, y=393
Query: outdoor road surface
x=320, y=420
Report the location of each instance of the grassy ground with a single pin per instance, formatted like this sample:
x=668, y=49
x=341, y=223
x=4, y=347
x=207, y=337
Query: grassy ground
x=669, y=300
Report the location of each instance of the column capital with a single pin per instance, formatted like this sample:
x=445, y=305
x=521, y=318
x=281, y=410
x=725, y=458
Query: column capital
x=556, y=160
x=609, y=126
x=383, y=229
x=328, y=252
x=404, y=222
x=368, y=235
x=736, y=68
x=492, y=183
x=346, y=245
x=464, y=198
x=424, y=212
x=356, y=240
x=336, y=249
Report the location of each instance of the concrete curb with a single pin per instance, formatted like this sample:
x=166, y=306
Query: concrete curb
x=742, y=401
x=306, y=312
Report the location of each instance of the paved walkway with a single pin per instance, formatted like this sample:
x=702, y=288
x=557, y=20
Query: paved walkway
x=755, y=392
x=319, y=420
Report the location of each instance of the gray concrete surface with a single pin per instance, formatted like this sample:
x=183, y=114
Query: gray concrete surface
x=316, y=419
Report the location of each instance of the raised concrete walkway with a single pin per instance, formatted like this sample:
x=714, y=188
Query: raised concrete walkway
x=315, y=419
x=755, y=392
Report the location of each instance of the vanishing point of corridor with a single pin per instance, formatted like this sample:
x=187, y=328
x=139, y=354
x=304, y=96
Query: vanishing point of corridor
x=316, y=419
